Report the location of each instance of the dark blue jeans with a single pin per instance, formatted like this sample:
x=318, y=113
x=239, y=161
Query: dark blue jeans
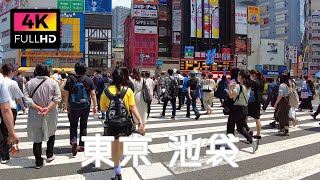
x=192, y=101
x=174, y=106
x=75, y=115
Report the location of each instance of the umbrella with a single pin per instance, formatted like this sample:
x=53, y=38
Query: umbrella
x=317, y=75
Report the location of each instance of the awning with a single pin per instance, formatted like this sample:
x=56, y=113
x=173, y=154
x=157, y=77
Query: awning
x=24, y=69
x=65, y=69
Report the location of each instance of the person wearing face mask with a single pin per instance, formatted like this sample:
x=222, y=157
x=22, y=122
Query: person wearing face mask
x=255, y=100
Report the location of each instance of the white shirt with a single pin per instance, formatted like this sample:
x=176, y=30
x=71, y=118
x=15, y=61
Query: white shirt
x=56, y=76
x=150, y=85
x=14, y=91
x=180, y=78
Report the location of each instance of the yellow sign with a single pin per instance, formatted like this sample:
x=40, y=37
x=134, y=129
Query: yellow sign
x=52, y=54
x=253, y=14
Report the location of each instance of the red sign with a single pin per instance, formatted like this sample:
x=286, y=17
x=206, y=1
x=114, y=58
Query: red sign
x=226, y=53
x=153, y=2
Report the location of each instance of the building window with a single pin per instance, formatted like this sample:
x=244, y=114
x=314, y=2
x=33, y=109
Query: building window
x=315, y=31
x=315, y=24
x=98, y=46
x=4, y=19
x=315, y=17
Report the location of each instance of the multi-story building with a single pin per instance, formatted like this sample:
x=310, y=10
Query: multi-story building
x=283, y=20
x=119, y=15
x=311, y=41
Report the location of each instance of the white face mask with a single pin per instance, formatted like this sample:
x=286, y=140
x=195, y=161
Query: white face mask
x=251, y=77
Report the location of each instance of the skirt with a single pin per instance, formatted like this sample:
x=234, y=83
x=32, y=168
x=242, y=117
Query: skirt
x=283, y=113
x=254, y=110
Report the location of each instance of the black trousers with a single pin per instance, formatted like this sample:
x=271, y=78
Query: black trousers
x=4, y=146
x=98, y=96
x=318, y=111
x=267, y=102
x=238, y=116
x=174, y=106
x=75, y=115
x=192, y=101
x=37, y=150
x=180, y=94
x=149, y=108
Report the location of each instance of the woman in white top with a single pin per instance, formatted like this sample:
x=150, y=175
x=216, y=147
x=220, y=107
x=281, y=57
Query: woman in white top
x=208, y=90
x=150, y=84
x=142, y=106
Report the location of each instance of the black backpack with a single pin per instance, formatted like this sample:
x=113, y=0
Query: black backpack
x=173, y=87
x=118, y=119
x=146, y=93
x=79, y=98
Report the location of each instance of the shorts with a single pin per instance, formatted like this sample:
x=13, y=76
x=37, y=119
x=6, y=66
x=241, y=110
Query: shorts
x=254, y=110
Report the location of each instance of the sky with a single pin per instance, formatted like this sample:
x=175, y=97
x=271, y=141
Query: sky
x=125, y=3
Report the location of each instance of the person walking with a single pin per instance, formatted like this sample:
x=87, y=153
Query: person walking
x=171, y=87
x=192, y=95
x=150, y=84
x=42, y=96
x=129, y=101
x=282, y=104
x=272, y=94
x=80, y=91
x=160, y=86
x=180, y=93
x=141, y=105
x=240, y=94
x=222, y=94
x=208, y=88
x=306, y=103
x=15, y=96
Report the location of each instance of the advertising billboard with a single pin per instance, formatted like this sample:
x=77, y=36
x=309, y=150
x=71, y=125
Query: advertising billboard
x=7, y=5
x=176, y=17
x=71, y=5
x=253, y=14
x=145, y=26
x=210, y=16
x=39, y=4
x=291, y=54
x=272, y=52
x=152, y=2
x=98, y=6
x=145, y=10
x=242, y=60
x=241, y=20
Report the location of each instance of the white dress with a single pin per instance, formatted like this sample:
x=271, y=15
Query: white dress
x=142, y=106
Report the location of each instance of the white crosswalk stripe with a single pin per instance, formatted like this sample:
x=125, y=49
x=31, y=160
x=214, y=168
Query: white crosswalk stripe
x=160, y=153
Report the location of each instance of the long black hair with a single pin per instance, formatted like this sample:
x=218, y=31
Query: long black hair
x=245, y=78
x=118, y=77
x=284, y=78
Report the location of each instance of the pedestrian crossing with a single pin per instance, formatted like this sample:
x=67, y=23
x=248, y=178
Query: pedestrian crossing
x=277, y=157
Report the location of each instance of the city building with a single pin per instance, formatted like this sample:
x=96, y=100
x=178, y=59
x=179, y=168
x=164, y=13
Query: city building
x=312, y=38
x=283, y=20
x=118, y=56
x=119, y=15
x=98, y=41
x=8, y=55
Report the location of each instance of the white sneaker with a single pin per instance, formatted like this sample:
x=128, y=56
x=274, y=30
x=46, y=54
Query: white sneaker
x=39, y=167
x=4, y=161
x=255, y=144
x=49, y=160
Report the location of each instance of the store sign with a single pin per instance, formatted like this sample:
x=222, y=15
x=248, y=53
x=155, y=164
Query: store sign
x=272, y=73
x=146, y=29
x=200, y=65
x=145, y=6
x=188, y=52
x=98, y=6
x=241, y=20
x=145, y=13
x=52, y=54
x=153, y=2
x=226, y=54
x=71, y=5
x=163, y=1
x=204, y=55
x=176, y=37
x=176, y=17
x=241, y=46
x=253, y=14
x=7, y=5
x=145, y=22
x=242, y=61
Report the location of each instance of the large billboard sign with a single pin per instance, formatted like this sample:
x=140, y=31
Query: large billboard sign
x=241, y=20
x=210, y=16
x=272, y=52
x=71, y=5
x=145, y=10
x=98, y=6
x=145, y=26
x=291, y=54
x=253, y=14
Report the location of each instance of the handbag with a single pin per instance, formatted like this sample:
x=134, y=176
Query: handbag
x=304, y=95
x=206, y=87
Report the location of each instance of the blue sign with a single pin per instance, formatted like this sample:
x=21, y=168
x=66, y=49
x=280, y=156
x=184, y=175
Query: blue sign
x=272, y=73
x=49, y=62
x=211, y=54
x=163, y=1
x=259, y=67
x=284, y=68
x=305, y=71
x=159, y=62
x=98, y=6
x=225, y=71
x=189, y=52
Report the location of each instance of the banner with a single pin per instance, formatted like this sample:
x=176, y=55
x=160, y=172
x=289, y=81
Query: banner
x=241, y=20
x=291, y=54
x=71, y=5
x=253, y=14
x=98, y=6
x=242, y=61
x=210, y=16
x=176, y=17
x=145, y=10
x=272, y=52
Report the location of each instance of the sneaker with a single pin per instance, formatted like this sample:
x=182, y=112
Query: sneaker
x=313, y=116
x=41, y=165
x=162, y=116
x=5, y=161
x=251, y=133
x=255, y=143
x=81, y=149
x=74, y=149
x=118, y=177
x=187, y=116
x=50, y=159
x=173, y=118
x=197, y=116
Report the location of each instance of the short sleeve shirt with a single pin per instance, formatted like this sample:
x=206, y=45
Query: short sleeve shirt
x=192, y=83
x=14, y=91
x=128, y=99
x=4, y=93
x=284, y=90
x=244, y=96
x=88, y=84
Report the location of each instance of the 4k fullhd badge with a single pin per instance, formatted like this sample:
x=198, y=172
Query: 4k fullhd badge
x=35, y=28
